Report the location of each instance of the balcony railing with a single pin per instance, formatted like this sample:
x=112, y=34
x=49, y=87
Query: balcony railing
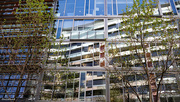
x=87, y=34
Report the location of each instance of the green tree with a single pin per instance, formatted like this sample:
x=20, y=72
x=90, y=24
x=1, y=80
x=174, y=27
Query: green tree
x=25, y=40
x=142, y=33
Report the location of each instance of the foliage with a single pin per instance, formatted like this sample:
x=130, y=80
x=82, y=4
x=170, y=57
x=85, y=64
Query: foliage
x=143, y=33
x=24, y=41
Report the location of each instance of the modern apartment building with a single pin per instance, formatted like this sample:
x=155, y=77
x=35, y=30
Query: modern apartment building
x=77, y=60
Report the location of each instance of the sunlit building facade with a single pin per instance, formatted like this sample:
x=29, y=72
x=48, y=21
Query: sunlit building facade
x=84, y=31
x=86, y=26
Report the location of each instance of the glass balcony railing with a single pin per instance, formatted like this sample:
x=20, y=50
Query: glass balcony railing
x=87, y=34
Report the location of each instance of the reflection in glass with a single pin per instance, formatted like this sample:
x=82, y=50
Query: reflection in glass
x=67, y=28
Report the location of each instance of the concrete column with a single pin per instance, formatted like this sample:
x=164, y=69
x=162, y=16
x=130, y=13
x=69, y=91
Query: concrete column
x=107, y=88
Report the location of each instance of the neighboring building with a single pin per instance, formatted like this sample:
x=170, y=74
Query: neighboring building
x=75, y=69
x=19, y=56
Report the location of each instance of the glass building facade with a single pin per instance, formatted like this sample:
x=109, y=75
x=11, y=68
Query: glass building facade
x=84, y=25
x=84, y=31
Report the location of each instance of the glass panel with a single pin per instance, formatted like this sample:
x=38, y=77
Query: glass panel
x=89, y=83
x=87, y=54
x=122, y=6
x=92, y=10
x=109, y=6
x=82, y=85
x=114, y=7
x=61, y=8
x=99, y=34
x=70, y=8
x=173, y=7
x=177, y=3
x=99, y=87
x=79, y=10
x=165, y=7
x=59, y=29
x=67, y=28
x=75, y=54
x=78, y=25
x=88, y=29
x=113, y=28
x=87, y=7
x=75, y=35
x=46, y=92
x=91, y=34
x=99, y=7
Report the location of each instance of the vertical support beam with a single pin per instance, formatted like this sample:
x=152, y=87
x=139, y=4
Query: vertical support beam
x=105, y=28
x=159, y=7
x=107, y=87
x=92, y=86
x=105, y=7
x=85, y=87
x=105, y=20
x=79, y=87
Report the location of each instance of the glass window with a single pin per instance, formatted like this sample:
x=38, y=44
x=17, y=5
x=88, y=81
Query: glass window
x=59, y=29
x=67, y=28
x=70, y=8
x=173, y=7
x=99, y=7
x=114, y=7
x=121, y=6
x=79, y=10
x=165, y=7
x=109, y=6
x=92, y=11
x=61, y=7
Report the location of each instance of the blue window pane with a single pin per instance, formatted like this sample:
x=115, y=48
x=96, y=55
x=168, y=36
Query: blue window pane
x=173, y=7
x=87, y=7
x=92, y=11
x=71, y=1
x=2, y=90
x=13, y=77
x=121, y=6
x=3, y=83
x=13, y=89
x=22, y=89
x=23, y=83
x=79, y=10
x=100, y=7
x=69, y=9
x=114, y=7
x=6, y=76
x=82, y=83
x=59, y=29
x=61, y=7
x=11, y=96
x=109, y=6
x=1, y=96
x=25, y=77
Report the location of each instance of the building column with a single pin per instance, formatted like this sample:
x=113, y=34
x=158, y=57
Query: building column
x=107, y=87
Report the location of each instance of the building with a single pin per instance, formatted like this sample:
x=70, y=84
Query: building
x=20, y=43
x=76, y=66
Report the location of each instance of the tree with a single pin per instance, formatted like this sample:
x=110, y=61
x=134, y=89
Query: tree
x=24, y=40
x=150, y=49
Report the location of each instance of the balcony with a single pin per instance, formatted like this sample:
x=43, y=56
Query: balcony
x=87, y=34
